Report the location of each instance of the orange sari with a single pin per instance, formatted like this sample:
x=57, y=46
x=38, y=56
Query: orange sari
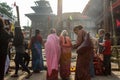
x=65, y=58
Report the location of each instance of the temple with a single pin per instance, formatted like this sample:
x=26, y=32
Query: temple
x=42, y=18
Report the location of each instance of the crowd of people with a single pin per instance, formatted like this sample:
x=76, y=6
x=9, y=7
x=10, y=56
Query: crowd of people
x=58, y=50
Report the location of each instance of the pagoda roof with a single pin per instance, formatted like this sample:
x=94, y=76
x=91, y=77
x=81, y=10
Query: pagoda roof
x=42, y=8
x=34, y=15
x=42, y=5
x=42, y=14
x=39, y=9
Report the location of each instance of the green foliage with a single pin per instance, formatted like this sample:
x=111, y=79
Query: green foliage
x=6, y=9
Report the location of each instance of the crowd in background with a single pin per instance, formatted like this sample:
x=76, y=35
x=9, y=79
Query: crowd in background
x=93, y=55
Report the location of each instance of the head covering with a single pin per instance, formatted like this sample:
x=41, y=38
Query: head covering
x=101, y=31
x=64, y=33
x=53, y=30
x=52, y=51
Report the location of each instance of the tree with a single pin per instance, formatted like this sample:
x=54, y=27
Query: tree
x=6, y=9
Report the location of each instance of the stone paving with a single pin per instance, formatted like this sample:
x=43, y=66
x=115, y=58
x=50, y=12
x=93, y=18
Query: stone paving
x=42, y=76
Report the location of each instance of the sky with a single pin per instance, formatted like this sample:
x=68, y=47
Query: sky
x=25, y=7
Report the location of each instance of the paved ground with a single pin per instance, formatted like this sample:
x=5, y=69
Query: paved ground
x=42, y=76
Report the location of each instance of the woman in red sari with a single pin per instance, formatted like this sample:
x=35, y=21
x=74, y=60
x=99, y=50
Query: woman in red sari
x=84, y=56
x=65, y=58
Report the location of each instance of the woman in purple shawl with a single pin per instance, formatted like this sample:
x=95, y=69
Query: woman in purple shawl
x=84, y=55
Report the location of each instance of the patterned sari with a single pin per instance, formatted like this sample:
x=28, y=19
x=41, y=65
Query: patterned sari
x=83, y=59
x=65, y=59
x=37, y=59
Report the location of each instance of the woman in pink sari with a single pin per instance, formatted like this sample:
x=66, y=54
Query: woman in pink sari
x=65, y=58
x=52, y=50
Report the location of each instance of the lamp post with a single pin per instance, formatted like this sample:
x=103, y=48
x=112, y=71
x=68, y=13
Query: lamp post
x=113, y=24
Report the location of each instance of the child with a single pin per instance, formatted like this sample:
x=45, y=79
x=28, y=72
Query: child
x=107, y=54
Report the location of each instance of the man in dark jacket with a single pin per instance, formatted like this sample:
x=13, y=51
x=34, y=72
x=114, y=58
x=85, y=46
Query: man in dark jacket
x=4, y=40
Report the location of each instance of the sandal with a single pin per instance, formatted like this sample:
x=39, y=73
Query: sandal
x=28, y=76
x=14, y=75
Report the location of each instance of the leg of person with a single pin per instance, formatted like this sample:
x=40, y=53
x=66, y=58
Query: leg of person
x=2, y=66
x=109, y=65
x=106, y=65
x=109, y=68
x=16, y=69
x=24, y=60
x=17, y=60
x=92, y=72
x=24, y=67
x=41, y=61
x=27, y=60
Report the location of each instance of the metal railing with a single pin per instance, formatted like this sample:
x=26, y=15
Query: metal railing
x=115, y=56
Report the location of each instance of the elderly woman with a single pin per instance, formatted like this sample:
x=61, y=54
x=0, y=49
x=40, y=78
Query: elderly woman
x=52, y=50
x=65, y=58
x=84, y=55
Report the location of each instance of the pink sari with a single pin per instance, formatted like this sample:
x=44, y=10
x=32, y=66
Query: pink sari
x=52, y=50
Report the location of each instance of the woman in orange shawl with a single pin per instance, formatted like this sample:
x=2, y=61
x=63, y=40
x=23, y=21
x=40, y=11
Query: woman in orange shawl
x=65, y=58
x=84, y=55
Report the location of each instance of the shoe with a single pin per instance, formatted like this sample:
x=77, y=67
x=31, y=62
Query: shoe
x=65, y=78
x=36, y=71
x=14, y=75
x=28, y=76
